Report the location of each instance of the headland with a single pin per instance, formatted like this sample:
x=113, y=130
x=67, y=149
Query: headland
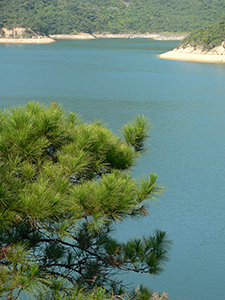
x=197, y=54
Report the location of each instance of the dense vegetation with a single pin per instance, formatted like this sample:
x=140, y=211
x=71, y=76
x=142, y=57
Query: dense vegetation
x=67, y=16
x=64, y=186
x=208, y=38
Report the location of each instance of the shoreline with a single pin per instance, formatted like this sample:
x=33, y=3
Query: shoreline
x=154, y=36
x=45, y=40
x=86, y=36
x=215, y=55
x=80, y=36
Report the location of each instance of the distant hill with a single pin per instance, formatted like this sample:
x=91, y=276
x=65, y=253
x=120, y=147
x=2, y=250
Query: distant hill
x=208, y=38
x=113, y=16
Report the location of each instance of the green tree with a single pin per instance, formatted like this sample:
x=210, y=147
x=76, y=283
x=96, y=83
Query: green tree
x=64, y=16
x=64, y=185
x=208, y=38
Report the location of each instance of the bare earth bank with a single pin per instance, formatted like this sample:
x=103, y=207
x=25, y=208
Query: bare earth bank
x=215, y=55
x=85, y=36
x=39, y=40
x=25, y=36
x=155, y=36
x=20, y=35
x=80, y=36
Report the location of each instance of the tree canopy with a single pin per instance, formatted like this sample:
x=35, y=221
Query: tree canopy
x=64, y=186
x=69, y=16
x=208, y=38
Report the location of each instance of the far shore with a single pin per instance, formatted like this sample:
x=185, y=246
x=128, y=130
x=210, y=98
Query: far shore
x=155, y=36
x=216, y=55
x=86, y=36
x=44, y=40
x=80, y=36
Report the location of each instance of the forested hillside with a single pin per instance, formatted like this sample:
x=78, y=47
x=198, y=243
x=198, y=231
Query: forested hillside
x=67, y=16
x=208, y=38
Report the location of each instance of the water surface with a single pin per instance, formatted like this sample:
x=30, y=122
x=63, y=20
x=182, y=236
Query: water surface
x=115, y=79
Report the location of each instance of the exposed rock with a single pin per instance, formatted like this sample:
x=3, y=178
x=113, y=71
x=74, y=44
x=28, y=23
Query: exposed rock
x=85, y=36
x=218, y=50
x=43, y=40
x=79, y=36
x=23, y=35
x=199, y=54
x=13, y=33
x=154, y=36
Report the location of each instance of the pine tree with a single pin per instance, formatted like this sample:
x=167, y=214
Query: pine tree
x=64, y=185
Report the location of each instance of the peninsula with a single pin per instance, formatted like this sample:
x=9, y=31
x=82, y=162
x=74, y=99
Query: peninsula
x=198, y=54
x=202, y=45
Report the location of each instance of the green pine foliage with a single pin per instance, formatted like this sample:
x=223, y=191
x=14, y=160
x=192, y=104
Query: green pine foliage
x=114, y=16
x=64, y=186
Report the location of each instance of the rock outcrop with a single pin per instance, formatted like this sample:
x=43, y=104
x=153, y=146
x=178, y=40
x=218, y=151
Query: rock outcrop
x=23, y=35
x=79, y=36
x=189, y=53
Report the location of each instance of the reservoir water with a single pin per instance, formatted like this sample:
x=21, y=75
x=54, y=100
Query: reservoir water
x=115, y=79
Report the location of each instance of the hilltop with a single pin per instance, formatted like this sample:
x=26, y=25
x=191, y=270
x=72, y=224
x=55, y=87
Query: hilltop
x=111, y=16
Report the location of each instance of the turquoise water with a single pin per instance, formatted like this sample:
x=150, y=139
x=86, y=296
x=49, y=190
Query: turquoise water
x=115, y=79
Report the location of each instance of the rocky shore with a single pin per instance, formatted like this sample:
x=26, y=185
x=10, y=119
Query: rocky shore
x=42, y=40
x=86, y=36
x=28, y=36
x=23, y=36
x=79, y=36
x=198, y=54
x=154, y=36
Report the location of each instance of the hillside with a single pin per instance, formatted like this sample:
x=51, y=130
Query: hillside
x=114, y=16
x=208, y=38
x=201, y=45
